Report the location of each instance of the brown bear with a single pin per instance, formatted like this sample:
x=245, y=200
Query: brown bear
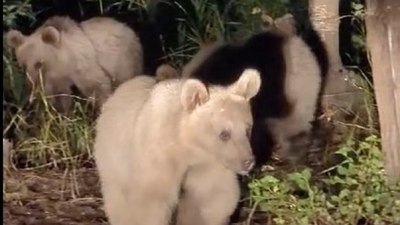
x=155, y=139
x=293, y=73
x=95, y=55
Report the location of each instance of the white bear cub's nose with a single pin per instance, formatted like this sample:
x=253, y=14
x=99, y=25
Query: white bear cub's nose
x=248, y=164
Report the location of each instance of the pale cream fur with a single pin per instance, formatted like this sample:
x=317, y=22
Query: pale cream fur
x=210, y=194
x=95, y=55
x=302, y=86
x=152, y=138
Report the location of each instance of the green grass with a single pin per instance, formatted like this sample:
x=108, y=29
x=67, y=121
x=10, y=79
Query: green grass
x=45, y=137
x=349, y=190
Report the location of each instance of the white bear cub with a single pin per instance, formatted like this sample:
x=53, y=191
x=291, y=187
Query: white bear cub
x=95, y=55
x=155, y=140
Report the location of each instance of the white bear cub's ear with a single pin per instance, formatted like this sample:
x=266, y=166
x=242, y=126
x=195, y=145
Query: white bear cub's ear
x=51, y=36
x=194, y=93
x=14, y=38
x=248, y=84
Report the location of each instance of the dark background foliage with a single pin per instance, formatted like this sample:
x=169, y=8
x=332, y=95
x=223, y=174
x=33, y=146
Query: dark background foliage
x=157, y=21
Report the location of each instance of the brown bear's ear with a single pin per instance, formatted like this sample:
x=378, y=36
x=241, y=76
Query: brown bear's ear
x=286, y=24
x=14, y=38
x=166, y=71
x=248, y=84
x=194, y=93
x=51, y=36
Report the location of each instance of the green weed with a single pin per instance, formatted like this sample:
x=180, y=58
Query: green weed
x=352, y=192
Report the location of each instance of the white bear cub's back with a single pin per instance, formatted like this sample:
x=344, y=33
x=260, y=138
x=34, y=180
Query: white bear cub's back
x=117, y=121
x=119, y=49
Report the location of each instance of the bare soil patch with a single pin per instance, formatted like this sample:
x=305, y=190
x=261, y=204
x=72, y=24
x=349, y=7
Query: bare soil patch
x=52, y=197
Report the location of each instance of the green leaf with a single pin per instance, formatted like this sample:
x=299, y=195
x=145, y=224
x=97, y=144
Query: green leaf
x=269, y=180
x=341, y=170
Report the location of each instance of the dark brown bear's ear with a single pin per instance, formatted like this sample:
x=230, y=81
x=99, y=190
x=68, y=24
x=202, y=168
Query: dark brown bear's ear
x=194, y=94
x=248, y=84
x=166, y=71
x=286, y=24
x=14, y=38
x=51, y=36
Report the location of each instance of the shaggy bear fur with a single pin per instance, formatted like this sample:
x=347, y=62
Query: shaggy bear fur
x=292, y=75
x=95, y=55
x=155, y=139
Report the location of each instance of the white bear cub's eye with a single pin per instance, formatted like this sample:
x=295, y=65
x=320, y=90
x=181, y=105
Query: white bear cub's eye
x=38, y=65
x=225, y=135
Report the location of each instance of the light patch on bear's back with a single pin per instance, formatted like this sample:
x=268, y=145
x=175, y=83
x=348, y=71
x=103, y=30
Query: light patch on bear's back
x=165, y=96
x=160, y=114
x=118, y=47
x=302, y=85
x=302, y=68
x=168, y=89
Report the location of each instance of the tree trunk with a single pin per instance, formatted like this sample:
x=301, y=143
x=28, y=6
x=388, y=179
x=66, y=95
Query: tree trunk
x=325, y=19
x=383, y=39
x=341, y=91
x=7, y=146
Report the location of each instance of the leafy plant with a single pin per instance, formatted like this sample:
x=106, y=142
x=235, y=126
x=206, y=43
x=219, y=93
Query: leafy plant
x=353, y=192
x=12, y=9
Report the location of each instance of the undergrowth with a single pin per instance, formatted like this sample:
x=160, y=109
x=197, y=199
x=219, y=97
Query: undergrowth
x=351, y=192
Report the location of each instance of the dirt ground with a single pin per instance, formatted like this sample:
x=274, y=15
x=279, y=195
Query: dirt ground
x=34, y=197
x=50, y=198
x=72, y=197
